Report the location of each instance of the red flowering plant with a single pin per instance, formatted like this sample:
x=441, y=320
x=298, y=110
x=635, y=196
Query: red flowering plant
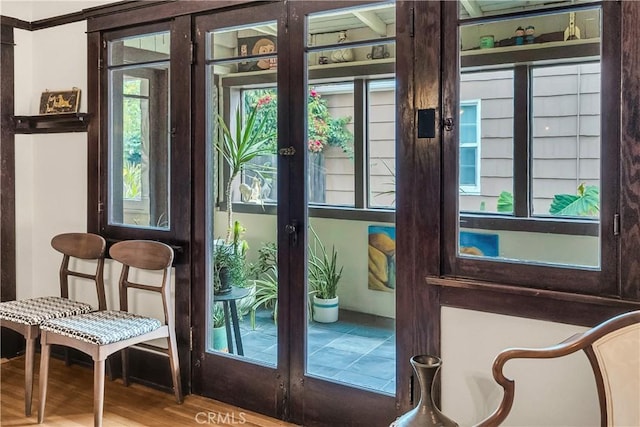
x=322, y=130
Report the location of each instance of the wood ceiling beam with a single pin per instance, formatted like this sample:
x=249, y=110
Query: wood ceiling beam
x=472, y=8
x=371, y=20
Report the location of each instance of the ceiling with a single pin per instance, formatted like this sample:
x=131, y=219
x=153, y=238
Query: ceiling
x=478, y=8
x=375, y=17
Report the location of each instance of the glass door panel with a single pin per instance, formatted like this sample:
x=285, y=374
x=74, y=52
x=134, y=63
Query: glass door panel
x=237, y=107
x=244, y=117
x=259, y=104
x=350, y=137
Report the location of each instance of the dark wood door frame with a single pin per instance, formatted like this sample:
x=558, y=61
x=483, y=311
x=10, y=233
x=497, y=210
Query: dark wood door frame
x=11, y=342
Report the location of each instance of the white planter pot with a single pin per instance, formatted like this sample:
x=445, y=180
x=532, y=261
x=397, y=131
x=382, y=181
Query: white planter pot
x=325, y=310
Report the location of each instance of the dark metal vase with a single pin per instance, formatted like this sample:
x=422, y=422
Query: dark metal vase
x=425, y=413
x=225, y=281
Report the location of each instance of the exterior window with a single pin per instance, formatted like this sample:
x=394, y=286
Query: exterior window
x=135, y=129
x=381, y=143
x=469, y=147
x=331, y=129
x=486, y=168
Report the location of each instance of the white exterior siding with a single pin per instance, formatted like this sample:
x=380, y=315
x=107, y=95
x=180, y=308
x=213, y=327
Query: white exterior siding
x=565, y=131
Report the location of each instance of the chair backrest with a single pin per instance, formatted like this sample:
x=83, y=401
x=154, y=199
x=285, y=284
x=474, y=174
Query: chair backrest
x=84, y=246
x=615, y=358
x=144, y=255
x=613, y=349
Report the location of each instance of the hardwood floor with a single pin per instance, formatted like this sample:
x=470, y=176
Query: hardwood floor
x=70, y=400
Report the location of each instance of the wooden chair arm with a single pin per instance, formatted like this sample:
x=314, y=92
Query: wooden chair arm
x=570, y=345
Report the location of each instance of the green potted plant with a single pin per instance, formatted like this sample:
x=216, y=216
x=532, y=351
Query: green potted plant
x=229, y=263
x=218, y=337
x=249, y=140
x=266, y=294
x=324, y=277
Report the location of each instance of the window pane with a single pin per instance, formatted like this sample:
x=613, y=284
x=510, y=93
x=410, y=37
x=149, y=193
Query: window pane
x=468, y=156
x=357, y=84
x=135, y=50
x=566, y=140
x=242, y=169
x=330, y=144
x=260, y=174
x=256, y=39
x=486, y=139
x=139, y=146
x=544, y=79
x=381, y=133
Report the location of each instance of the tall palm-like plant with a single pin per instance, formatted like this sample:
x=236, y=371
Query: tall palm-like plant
x=248, y=141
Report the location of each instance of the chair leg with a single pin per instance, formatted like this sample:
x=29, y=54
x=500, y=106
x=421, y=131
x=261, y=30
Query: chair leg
x=125, y=372
x=175, y=367
x=45, y=350
x=67, y=357
x=98, y=392
x=29, y=362
x=109, y=370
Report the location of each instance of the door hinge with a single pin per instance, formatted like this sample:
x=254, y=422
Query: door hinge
x=100, y=207
x=100, y=62
x=616, y=224
x=192, y=53
x=412, y=15
x=191, y=339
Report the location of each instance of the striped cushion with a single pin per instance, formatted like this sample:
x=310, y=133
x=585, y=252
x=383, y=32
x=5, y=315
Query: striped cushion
x=34, y=311
x=102, y=327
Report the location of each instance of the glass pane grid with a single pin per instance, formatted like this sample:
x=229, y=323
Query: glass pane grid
x=561, y=135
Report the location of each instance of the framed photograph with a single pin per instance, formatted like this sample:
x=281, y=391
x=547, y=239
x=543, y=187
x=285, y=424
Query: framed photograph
x=257, y=45
x=378, y=52
x=62, y=101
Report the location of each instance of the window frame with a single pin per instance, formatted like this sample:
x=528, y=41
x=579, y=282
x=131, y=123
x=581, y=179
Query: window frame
x=474, y=189
x=178, y=127
x=362, y=209
x=583, y=280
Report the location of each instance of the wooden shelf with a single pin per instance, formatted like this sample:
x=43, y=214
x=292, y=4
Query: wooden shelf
x=51, y=123
x=371, y=67
x=530, y=52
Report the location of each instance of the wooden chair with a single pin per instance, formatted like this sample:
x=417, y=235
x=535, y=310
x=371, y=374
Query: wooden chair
x=103, y=333
x=25, y=316
x=613, y=349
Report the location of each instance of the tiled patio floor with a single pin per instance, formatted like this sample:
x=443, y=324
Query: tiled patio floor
x=359, y=349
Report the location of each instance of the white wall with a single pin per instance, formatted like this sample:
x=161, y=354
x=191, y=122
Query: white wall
x=23, y=57
x=546, y=247
x=555, y=392
x=51, y=169
x=351, y=240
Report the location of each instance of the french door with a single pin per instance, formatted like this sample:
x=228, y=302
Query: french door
x=295, y=142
